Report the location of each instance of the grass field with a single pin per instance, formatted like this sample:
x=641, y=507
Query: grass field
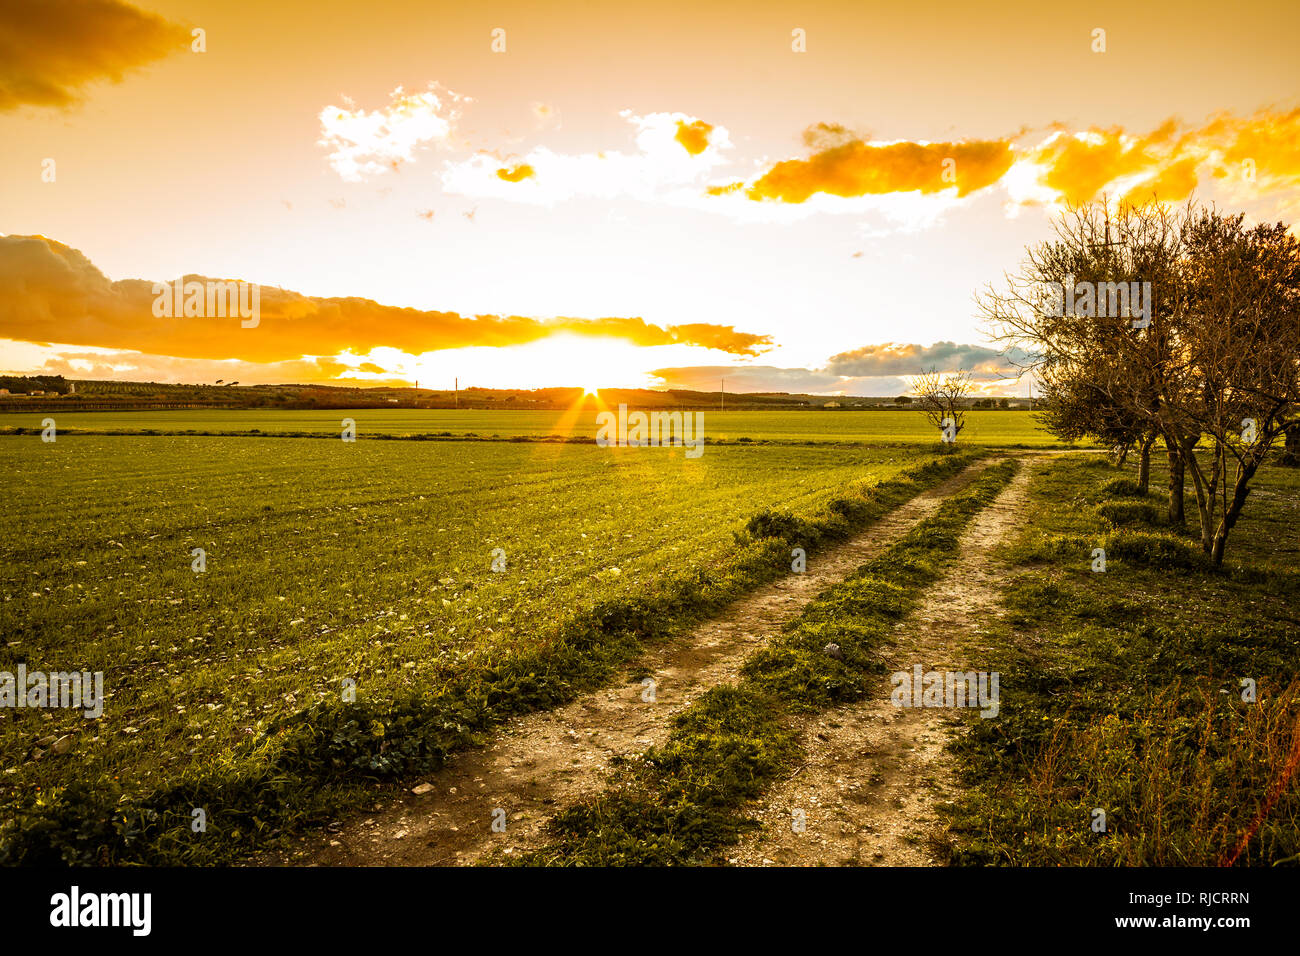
x=1124, y=689
x=328, y=560
x=872, y=427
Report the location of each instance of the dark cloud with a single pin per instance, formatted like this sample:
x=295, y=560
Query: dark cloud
x=875, y=370
x=912, y=359
x=51, y=49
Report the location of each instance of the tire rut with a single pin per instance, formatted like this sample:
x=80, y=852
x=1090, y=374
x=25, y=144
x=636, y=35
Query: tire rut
x=873, y=773
x=541, y=762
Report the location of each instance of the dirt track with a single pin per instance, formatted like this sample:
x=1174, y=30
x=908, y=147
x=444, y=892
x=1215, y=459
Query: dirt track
x=544, y=761
x=873, y=772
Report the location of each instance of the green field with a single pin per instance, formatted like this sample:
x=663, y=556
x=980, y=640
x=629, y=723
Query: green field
x=328, y=560
x=1002, y=428
x=1124, y=689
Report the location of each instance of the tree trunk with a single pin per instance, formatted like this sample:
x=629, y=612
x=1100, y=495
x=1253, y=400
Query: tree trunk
x=1144, y=465
x=1205, y=490
x=1177, y=477
x=1207, y=501
x=1291, y=450
x=1232, y=512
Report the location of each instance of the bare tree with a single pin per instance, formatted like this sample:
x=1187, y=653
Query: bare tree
x=942, y=396
x=1099, y=363
x=1240, y=339
x=1211, y=355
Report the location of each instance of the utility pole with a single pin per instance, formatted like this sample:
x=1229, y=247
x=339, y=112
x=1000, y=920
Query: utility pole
x=457, y=390
x=723, y=398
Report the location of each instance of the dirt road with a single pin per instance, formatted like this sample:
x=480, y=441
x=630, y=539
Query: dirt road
x=544, y=761
x=874, y=773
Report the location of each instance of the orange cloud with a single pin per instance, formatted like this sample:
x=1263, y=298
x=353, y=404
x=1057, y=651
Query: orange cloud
x=724, y=189
x=858, y=168
x=138, y=366
x=694, y=137
x=826, y=135
x=1170, y=184
x=514, y=174
x=657, y=168
x=50, y=292
x=1080, y=167
x=725, y=338
x=1257, y=155
x=52, y=49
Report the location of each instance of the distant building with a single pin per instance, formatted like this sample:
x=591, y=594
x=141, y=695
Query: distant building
x=831, y=405
x=38, y=392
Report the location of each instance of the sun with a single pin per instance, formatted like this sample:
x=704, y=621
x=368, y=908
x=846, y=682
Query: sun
x=571, y=361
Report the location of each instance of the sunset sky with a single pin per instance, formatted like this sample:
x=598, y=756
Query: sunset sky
x=632, y=194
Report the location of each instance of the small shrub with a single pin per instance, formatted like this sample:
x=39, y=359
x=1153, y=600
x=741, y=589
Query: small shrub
x=776, y=524
x=1122, y=488
x=1123, y=514
x=1153, y=549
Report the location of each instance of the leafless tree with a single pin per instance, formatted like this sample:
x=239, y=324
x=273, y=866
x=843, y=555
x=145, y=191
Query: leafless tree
x=1239, y=344
x=1210, y=361
x=1099, y=366
x=942, y=396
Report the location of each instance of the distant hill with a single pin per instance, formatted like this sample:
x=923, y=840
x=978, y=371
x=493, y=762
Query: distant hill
x=17, y=394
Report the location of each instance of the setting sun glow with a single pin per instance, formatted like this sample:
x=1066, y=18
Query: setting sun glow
x=573, y=361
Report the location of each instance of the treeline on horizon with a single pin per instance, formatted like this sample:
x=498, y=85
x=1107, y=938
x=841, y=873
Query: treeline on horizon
x=101, y=395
